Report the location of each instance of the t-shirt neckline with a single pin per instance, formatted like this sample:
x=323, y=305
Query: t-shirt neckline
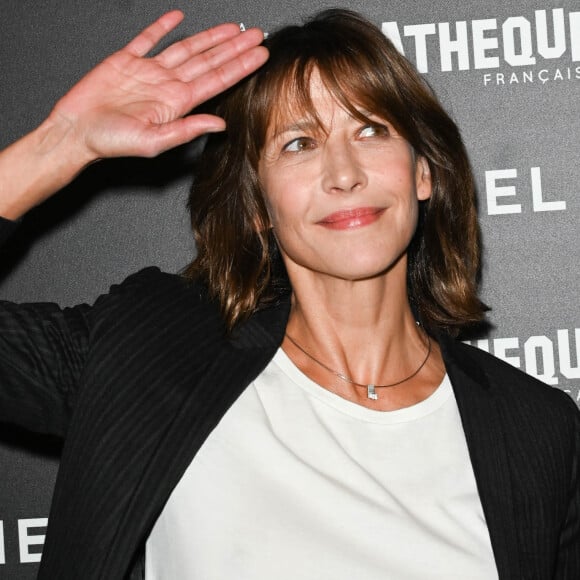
x=425, y=407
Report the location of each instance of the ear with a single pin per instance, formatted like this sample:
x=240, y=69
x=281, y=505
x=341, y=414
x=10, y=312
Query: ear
x=422, y=178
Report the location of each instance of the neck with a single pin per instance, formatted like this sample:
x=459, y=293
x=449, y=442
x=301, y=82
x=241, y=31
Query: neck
x=359, y=317
x=363, y=329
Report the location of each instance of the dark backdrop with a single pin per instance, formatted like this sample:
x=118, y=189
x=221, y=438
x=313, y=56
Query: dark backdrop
x=509, y=73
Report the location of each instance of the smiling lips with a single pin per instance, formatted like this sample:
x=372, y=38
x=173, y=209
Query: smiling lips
x=351, y=218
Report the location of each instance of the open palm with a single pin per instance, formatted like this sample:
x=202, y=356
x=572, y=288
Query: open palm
x=134, y=105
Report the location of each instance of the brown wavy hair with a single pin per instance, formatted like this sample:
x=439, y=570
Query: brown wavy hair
x=237, y=256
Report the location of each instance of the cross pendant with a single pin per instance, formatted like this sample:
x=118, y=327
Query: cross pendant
x=371, y=393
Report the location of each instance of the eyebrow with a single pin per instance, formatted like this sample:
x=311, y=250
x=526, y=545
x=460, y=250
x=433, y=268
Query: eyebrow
x=297, y=126
x=306, y=124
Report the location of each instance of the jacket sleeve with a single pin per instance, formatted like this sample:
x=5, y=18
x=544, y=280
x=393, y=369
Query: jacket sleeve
x=42, y=352
x=568, y=565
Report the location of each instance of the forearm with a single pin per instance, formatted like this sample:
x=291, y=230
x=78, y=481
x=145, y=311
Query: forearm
x=38, y=165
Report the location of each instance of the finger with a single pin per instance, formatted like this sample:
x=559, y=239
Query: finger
x=149, y=37
x=218, y=79
x=170, y=135
x=183, y=50
x=218, y=56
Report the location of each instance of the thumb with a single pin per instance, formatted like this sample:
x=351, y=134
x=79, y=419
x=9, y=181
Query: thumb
x=180, y=131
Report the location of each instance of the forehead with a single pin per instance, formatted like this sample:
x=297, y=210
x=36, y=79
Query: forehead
x=310, y=102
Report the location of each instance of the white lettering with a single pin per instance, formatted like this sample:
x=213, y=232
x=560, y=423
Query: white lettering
x=502, y=345
x=420, y=32
x=391, y=31
x=459, y=46
x=524, y=57
x=483, y=44
x=538, y=201
x=518, y=39
x=564, y=354
x=539, y=356
x=25, y=540
x=540, y=345
x=559, y=29
x=574, y=18
x=493, y=191
x=2, y=549
x=482, y=344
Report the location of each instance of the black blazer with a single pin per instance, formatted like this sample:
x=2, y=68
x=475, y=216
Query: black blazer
x=137, y=381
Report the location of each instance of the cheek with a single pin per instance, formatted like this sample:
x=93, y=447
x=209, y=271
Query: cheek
x=283, y=217
x=286, y=203
x=287, y=219
x=278, y=214
x=268, y=189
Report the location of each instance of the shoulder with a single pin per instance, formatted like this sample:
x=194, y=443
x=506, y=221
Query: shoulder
x=151, y=297
x=495, y=369
x=510, y=386
x=147, y=280
x=152, y=284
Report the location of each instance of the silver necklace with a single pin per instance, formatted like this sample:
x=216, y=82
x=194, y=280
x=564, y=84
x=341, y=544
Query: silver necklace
x=371, y=392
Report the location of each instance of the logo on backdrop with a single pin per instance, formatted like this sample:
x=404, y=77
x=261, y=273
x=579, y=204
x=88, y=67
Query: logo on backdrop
x=526, y=49
x=555, y=360
x=30, y=540
x=509, y=191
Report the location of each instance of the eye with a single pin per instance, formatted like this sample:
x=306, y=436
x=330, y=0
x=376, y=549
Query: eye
x=299, y=144
x=374, y=130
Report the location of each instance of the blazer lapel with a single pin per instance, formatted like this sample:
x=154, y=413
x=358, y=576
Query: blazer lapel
x=238, y=360
x=484, y=431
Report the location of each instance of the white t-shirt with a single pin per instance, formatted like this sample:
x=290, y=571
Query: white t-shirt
x=296, y=482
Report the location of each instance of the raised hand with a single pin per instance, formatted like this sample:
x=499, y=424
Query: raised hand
x=129, y=105
x=134, y=105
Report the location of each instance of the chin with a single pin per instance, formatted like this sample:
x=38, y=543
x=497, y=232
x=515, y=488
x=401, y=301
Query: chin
x=351, y=264
x=392, y=269
x=355, y=270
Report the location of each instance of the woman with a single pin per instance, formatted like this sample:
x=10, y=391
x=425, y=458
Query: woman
x=295, y=406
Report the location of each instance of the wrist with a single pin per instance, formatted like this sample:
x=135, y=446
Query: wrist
x=38, y=165
x=61, y=141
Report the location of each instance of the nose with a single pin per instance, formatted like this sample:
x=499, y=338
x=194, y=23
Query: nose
x=342, y=170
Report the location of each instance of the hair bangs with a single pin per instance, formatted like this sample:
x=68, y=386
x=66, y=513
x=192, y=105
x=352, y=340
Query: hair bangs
x=283, y=94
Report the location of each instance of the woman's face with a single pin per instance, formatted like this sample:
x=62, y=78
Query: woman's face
x=342, y=201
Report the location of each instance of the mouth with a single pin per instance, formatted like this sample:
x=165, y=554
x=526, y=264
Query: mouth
x=351, y=218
